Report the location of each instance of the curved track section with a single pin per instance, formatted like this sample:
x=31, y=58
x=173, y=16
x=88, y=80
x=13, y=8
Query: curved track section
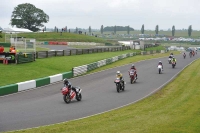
x=46, y=106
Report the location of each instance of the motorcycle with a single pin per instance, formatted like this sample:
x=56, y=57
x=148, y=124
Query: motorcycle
x=132, y=76
x=69, y=94
x=173, y=64
x=169, y=60
x=119, y=85
x=159, y=69
x=184, y=55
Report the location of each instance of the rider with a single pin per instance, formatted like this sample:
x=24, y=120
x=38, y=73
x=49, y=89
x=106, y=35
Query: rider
x=67, y=83
x=174, y=60
x=120, y=76
x=184, y=54
x=160, y=63
x=171, y=55
x=133, y=67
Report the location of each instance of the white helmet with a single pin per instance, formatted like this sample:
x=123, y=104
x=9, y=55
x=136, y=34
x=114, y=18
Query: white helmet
x=160, y=61
x=118, y=72
x=132, y=65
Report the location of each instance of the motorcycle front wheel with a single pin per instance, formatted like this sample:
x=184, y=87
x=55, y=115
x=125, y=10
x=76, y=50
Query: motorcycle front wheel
x=159, y=70
x=118, y=88
x=67, y=98
x=79, y=97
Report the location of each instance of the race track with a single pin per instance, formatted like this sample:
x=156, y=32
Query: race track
x=45, y=105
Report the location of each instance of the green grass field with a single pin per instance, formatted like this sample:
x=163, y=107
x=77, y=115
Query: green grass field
x=174, y=109
x=50, y=66
x=53, y=36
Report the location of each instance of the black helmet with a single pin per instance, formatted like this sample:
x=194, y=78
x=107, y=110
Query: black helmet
x=65, y=81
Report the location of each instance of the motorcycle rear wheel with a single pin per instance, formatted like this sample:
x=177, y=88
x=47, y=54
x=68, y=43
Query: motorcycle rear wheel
x=67, y=98
x=159, y=71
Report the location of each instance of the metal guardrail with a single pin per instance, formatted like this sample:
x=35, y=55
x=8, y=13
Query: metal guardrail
x=46, y=54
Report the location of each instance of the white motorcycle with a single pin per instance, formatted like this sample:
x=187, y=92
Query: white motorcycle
x=169, y=60
x=159, y=69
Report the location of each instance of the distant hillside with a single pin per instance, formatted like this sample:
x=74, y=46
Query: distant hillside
x=118, y=28
x=53, y=36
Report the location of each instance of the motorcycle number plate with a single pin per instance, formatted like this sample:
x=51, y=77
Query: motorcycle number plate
x=117, y=80
x=132, y=73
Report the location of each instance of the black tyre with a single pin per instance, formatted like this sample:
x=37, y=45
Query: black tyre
x=123, y=87
x=131, y=80
x=118, y=88
x=79, y=97
x=67, y=98
x=159, y=70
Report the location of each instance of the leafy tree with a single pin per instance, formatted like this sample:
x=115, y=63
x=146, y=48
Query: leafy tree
x=101, y=29
x=157, y=29
x=173, y=30
x=29, y=17
x=128, y=30
x=115, y=29
x=118, y=28
x=142, y=29
x=65, y=28
x=190, y=30
x=90, y=30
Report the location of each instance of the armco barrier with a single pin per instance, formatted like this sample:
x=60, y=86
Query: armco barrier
x=85, y=68
x=79, y=70
x=8, y=89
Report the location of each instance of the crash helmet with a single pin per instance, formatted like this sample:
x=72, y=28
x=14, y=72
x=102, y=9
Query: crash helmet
x=132, y=66
x=118, y=72
x=65, y=81
x=160, y=61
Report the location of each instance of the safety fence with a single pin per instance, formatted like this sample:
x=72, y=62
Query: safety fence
x=68, y=52
x=88, y=67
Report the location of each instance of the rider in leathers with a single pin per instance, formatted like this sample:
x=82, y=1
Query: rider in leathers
x=133, y=67
x=120, y=76
x=160, y=63
x=67, y=83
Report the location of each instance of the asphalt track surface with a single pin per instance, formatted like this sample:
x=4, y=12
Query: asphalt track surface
x=45, y=105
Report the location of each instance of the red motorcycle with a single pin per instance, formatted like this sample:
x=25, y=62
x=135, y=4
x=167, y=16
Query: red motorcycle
x=132, y=75
x=69, y=94
x=173, y=64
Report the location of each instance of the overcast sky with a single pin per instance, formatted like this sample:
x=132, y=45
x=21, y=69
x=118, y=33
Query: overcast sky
x=94, y=13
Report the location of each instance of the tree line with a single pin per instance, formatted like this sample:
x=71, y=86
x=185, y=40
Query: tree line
x=36, y=17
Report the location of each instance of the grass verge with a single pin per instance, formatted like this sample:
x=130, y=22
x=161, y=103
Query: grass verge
x=173, y=109
x=50, y=66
